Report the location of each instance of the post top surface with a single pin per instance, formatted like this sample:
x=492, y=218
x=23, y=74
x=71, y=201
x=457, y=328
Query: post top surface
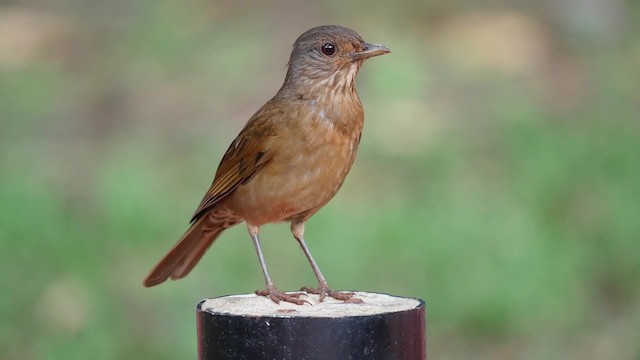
x=254, y=305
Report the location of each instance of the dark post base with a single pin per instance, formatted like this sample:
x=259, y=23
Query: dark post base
x=253, y=327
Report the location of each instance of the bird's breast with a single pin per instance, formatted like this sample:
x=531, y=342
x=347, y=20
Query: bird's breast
x=311, y=160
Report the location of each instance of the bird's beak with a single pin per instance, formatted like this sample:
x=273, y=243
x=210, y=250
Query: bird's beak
x=370, y=50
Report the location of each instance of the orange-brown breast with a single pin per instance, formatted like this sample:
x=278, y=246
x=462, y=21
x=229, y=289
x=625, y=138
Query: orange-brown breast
x=312, y=152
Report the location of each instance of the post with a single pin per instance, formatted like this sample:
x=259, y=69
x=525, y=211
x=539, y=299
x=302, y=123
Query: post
x=254, y=327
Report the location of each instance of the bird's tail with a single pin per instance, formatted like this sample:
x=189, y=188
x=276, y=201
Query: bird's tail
x=185, y=254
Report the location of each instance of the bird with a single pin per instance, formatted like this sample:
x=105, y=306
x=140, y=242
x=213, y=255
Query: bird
x=288, y=161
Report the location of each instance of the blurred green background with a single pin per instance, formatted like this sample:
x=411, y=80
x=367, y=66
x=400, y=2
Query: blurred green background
x=498, y=177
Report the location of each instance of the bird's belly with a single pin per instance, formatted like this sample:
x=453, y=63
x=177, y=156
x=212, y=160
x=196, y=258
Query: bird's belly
x=294, y=183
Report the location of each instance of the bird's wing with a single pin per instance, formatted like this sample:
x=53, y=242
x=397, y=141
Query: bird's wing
x=246, y=155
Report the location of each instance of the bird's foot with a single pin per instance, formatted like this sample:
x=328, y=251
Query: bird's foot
x=276, y=296
x=323, y=290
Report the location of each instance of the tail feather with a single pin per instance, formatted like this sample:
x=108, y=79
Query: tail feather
x=193, y=257
x=186, y=253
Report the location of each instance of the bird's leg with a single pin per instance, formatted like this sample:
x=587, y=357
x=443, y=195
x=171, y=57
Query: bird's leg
x=271, y=291
x=297, y=228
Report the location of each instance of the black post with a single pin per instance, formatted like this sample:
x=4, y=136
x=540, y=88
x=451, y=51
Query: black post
x=253, y=327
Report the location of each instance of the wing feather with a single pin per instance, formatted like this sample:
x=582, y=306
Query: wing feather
x=246, y=155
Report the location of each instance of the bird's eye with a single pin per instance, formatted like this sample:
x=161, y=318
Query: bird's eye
x=328, y=49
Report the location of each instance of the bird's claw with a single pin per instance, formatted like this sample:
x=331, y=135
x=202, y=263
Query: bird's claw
x=276, y=296
x=323, y=290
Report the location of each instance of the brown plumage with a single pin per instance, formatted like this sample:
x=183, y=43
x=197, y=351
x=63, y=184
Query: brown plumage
x=289, y=160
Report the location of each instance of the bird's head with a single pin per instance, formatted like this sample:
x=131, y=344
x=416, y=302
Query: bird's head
x=329, y=55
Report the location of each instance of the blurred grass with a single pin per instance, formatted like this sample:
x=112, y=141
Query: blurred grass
x=501, y=189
